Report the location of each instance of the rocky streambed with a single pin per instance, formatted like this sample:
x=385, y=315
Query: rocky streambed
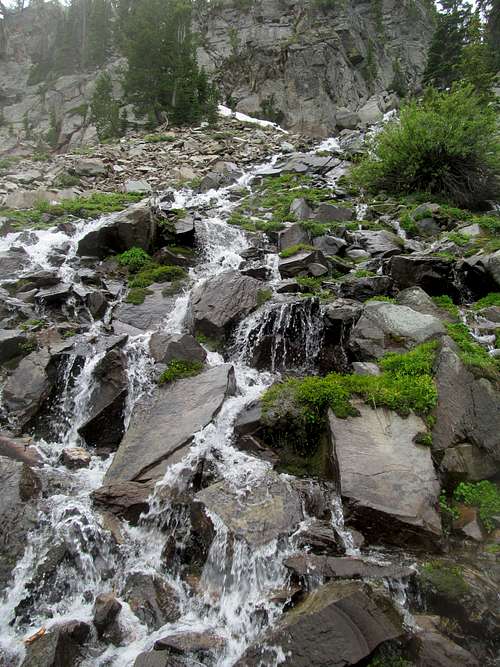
x=174, y=491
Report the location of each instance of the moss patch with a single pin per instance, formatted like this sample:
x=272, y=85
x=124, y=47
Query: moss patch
x=295, y=249
x=483, y=495
x=441, y=578
x=473, y=355
x=446, y=303
x=179, y=369
x=137, y=295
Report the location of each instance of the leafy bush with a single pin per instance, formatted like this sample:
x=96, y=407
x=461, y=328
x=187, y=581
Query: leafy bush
x=179, y=369
x=483, y=495
x=446, y=145
x=134, y=259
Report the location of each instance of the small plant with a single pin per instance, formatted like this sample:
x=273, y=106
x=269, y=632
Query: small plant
x=157, y=274
x=444, y=579
x=137, y=295
x=134, y=259
x=448, y=513
x=179, y=369
x=67, y=181
x=29, y=345
x=364, y=273
x=491, y=299
x=472, y=354
x=295, y=249
x=446, y=303
x=386, y=299
x=263, y=296
x=483, y=495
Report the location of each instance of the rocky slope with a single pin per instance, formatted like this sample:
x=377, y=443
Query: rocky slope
x=306, y=65
x=167, y=497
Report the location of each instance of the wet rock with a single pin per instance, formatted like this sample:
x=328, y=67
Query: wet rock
x=12, y=264
x=165, y=256
x=133, y=227
x=365, y=368
x=148, y=315
x=386, y=327
x=329, y=245
x=75, y=458
x=20, y=489
x=157, y=659
x=89, y=167
x=126, y=500
x=154, y=602
x=300, y=209
x=337, y=625
x=434, y=275
x=362, y=289
x=433, y=649
x=105, y=617
x=164, y=348
x=330, y=567
x=269, y=509
x=387, y=479
x=28, y=387
x=54, y=296
x=105, y=426
x=199, y=644
x=302, y=163
x=19, y=450
x=178, y=411
x=221, y=301
x=467, y=463
x=481, y=273
x=259, y=272
x=333, y=213
x=291, y=236
x=12, y=343
x=319, y=538
x=299, y=263
x=379, y=243
x=93, y=300
x=468, y=406
x=60, y=646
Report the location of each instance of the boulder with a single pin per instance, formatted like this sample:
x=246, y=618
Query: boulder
x=105, y=613
x=11, y=344
x=331, y=567
x=12, y=264
x=385, y=476
x=362, y=289
x=416, y=299
x=19, y=450
x=347, y=120
x=75, y=458
x=481, y=273
x=435, y=275
x=18, y=515
x=164, y=348
x=300, y=209
x=137, y=187
x=156, y=659
x=334, y=213
x=54, y=297
x=60, y=646
x=28, y=387
x=89, y=167
x=468, y=407
x=270, y=508
x=133, y=227
x=379, y=243
x=154, y=602
x=303, y=163
x=147, y=315
x=385, y=327
x=433, y=649
x=221, y=301
x=178, y=411
x=126, y=500
x=329, y=245
x=370, y=112
x=467, y=463
x=104, y=426
x=299, y=263
x=337, y=625
x=198, y=644
x=292, y=235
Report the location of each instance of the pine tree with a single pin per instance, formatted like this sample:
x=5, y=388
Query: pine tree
x=475, y=64
x=104, y=109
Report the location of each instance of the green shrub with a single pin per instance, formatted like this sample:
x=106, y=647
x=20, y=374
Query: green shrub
x=295, y=249
x=157, y=274
x=179, y=369
x=134, y=259
x=159, y=138
x=472, y=354
x=483, y=495
x=446, y=145
x=137, y=295
x=446, y=303
x=491, y=299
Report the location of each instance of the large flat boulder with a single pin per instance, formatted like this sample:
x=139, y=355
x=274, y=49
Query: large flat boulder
x=165, y=423
x=337, y=625
x=387, y=479
x=147, y=315
x=265, y=511
x=435, y=275
x=346, y=567
x=134, y=227
x=221, y=301
x=386, y=327
x=301, y=263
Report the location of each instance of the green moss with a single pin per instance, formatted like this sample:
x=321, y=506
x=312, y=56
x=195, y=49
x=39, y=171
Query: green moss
x=490, y=223
x=263, y=296
x=364, y=273
x=387, y=299
x=210, y=343
x=134, y=259
x=179, y=369
x=444, y=579
x=312, y=285
x=483, y=495
x=491, y=299
x=458, y=239
x=137, y=295
x=180, y=250
x=295, y=249
x=493, y=549
x=472, y=354
x=446, y=303
x=157, y=274
x=159, y=138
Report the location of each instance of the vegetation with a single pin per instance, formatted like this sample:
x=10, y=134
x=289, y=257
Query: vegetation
x=295, y=249
x=179, y=369
x=446, y=145
x=157, y=274
x=137, y=295
x=300, y=405
x=134, y=259
x=263, y=296
x=105, y=110
x=491, y=299
x=483, y=495
x=446, y=303
x=472, y=354
x=442, y=578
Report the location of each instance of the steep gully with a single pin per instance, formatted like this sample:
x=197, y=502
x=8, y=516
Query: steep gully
x=234, y=597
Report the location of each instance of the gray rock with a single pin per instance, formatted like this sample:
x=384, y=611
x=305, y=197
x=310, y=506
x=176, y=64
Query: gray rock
x=28, y=387
x=199, y=644
x=466, y=462
x=126, y=500
x=299, y=263
x=156, y=659
x=379, y=243
x=292, y=235
x=11, y=344
x=61, y=645
x=105, y=614
x=347, y=120
x=178, y=411
x=329, y=245
x=89, y=167
x=331, y=567
x=434, y=275
x=386, y=327
x=333, y=213
x=433, y=649
x=362, y=289
x=18, y=513
x=388, y=478
x=131, y=228
x=149, y=314
x=154, y=602
x=164, y=348
x=137, y=187
x=468, y=406
x=416, y=299
x=365, y=368
x=337, y=625
x=54, y=296
x=301, y=209
x=303, y=163
x=269, y=509
x=481, y=273
x=221, y=301
x=370, y=112
x=12, y=264
x=19, y=450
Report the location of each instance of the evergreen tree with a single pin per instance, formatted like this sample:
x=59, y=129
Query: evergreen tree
x=105, y=110
x=475, y=64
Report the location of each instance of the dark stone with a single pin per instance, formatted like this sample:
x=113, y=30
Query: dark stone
x=434, y=275
x=164, y=348
x=333, y=213
x=61, y=646
x=198, y=643
x=127, y=500
x=299, y=263
x=12, y=343
x=362, y=289
x=154, y=602
x=329, y=567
